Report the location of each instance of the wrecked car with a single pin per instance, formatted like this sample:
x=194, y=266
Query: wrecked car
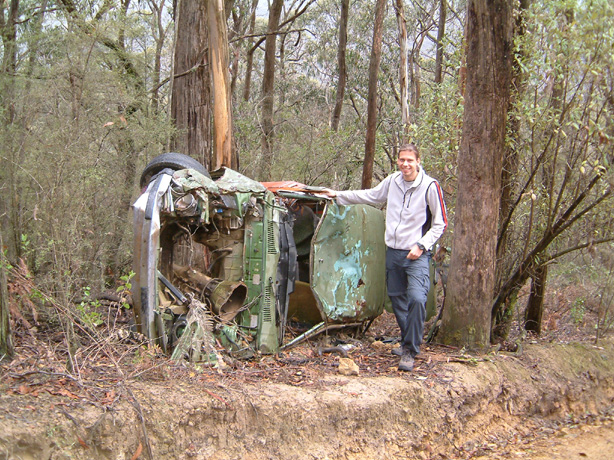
x=246, y=259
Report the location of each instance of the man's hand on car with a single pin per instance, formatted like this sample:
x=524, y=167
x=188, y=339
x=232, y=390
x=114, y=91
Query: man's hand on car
x=330, y=193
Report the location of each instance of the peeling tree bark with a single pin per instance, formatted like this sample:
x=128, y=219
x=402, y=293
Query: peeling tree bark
x=222, y=111
x=403, y=79
x=190, y=83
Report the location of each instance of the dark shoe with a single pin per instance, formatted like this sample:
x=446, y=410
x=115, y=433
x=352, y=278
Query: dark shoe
x=398, y=351
x=406, y=363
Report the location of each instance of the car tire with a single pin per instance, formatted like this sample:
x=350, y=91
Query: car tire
x=173, y=161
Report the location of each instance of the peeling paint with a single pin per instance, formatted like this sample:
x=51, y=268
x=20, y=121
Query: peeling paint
x=349, y=255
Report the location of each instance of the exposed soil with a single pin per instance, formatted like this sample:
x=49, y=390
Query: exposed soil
x=593, y=439
x=550, y=398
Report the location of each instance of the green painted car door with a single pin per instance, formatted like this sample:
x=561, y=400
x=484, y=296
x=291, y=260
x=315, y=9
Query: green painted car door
x=348, y=263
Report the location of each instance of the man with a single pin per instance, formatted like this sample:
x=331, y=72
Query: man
x=415, y=219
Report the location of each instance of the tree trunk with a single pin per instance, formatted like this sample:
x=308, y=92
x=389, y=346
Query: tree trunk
x=8, y=32
x=268, y=91
x=466, y=319
x=6, y=342
x=249, y=59
x=222, y=111
x=510, y=158
x=441, y=32
x=234, y=52
x=159, y=32
x=190, y=83
x=535, y=305
x=281, y=66
x=403, y=79
x=341, y=48
x=376, y=54
x=9, y=208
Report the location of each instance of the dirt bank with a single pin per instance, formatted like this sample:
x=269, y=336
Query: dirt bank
x=454, y=405
x=589, y=438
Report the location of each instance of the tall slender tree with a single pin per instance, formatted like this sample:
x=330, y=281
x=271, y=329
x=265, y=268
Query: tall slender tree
x=251, y=49
x=9, y=208
x=374, y=63
x=441, y=32
x=6, y=339
x=341, y=66
x=403, y=78
x=268, y=90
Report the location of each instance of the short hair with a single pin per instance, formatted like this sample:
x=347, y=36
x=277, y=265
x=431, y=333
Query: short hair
x=409, y=148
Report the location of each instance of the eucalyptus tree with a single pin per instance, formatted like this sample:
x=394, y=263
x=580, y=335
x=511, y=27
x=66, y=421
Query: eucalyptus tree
x=466, y=318
x=161, y=27
x=441, y=31
x=251, y=48
x=191, y=95
x=240, y=40
x=341, y=64
x=374, y=63
x=6, y=338
x=9, y=206
x=268, y=86
x=276, y=26
x=220, y=82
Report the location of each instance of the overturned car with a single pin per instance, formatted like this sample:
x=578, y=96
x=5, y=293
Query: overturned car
x=229, y=262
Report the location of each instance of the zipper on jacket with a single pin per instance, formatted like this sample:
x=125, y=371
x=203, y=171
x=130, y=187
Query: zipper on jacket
x=411, y=192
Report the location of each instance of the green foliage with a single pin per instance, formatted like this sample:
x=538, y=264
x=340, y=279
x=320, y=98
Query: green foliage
x=578, y=310
x=4, y=261
x=125, y=286
x=83, y=127
x=560, y=147
x=25, y=243
x=87, y=310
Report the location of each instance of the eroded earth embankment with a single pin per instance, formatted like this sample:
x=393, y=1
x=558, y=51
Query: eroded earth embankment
x=459, y=406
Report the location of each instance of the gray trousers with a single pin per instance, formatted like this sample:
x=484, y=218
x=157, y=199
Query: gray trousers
x=408, y=286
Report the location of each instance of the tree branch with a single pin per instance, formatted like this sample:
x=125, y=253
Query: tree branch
x=578, y=247
x=531, y=260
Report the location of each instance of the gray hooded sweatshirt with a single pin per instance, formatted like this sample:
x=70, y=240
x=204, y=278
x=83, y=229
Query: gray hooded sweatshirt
x=415, y=212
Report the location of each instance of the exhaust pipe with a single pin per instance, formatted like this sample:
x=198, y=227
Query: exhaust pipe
x=226, y=297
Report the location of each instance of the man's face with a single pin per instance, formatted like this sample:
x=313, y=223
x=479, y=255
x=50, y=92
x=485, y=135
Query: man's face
x=408, y=164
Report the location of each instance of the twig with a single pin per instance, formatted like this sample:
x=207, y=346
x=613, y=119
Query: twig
x=219, y=398
x=139, y=412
